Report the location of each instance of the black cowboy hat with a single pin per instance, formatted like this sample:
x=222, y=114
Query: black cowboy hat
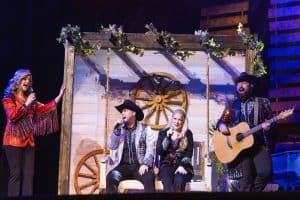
x=244, y=76
x=131, y=106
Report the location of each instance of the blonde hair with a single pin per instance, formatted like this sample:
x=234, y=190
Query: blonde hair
x=14, y=82
x=183, y=142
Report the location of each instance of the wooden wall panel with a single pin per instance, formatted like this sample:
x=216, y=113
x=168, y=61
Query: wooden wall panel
x=284, y=11
x=284, y=25
x=284, y=56
x=223, y=19
x=277, y=79
x=277, y=2
x=285, y=65
x=224, y=22
x=284, y=38
x=279, y=106
x=239, y=7
x=277, y=52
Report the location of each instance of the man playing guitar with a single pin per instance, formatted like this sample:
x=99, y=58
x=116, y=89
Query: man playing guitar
x=252, y=167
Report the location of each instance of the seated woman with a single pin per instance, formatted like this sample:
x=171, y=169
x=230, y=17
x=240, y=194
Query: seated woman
x=174, y=150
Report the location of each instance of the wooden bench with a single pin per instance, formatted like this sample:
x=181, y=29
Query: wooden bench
x=132, y=184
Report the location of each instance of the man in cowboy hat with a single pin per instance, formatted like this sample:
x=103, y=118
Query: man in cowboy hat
x=245, y=85
x=132, y=149
x=252, y=168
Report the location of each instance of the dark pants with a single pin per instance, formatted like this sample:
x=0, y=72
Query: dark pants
x=173, y=182
x=256, y=169
x=21, y=170
x=125, y=171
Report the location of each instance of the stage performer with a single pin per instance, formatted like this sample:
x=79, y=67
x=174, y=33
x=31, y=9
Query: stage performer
x=132, y=149
x=26, y=117
x=174, y=151
x=251, y=170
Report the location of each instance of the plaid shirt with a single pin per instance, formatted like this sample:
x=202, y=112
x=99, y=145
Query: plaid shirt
x=144, y=145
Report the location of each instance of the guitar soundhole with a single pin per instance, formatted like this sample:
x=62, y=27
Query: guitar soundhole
x=239, y=137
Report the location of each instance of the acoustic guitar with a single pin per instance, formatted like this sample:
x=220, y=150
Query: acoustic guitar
x=228, y=147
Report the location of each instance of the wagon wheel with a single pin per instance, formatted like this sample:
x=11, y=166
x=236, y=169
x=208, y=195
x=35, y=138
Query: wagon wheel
x=87, y=173
x=158, y=95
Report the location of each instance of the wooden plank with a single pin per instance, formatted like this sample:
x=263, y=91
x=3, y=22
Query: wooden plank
x=231, y=31
x=284, y=92
x=224, y=9
x=285, y=79
x=284, y=38
x=283, y=51
x=66, y=122
x=224, y=21
x=249, y=60
x=283, y=105
x=284, y=25
x=274, y=2
x=187, y=41
x=284, y=11
x=285, y=65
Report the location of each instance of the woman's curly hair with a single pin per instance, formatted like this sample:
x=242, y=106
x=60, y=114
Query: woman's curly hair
x=14, y=82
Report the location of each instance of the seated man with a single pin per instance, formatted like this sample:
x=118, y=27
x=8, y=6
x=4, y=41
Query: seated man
x=132, y=149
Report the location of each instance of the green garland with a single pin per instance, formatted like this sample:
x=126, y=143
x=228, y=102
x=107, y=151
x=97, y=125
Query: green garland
x=210, y=44
x=168, y=42
x=120, y=40
x=71, y=34
x=257, y=46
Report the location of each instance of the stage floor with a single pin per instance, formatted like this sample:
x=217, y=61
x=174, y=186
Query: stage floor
x=171, y=196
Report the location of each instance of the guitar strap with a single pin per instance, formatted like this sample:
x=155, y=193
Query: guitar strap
x=256, y=105
x=236, y=106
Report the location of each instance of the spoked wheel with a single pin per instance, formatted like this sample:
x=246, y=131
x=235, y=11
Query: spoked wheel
x=158, y=95
x=87, y=173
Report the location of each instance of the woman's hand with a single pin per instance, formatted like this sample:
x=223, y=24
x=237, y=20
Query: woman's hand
x=170, y=132
x=156, y=170
x=61, y=93
x=30, y=99
x=180, y=170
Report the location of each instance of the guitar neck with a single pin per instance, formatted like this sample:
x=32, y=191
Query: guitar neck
x=258, y=127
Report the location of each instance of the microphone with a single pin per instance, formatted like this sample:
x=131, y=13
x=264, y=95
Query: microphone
x=34, y=101
x=170, y=132
x=119, y=124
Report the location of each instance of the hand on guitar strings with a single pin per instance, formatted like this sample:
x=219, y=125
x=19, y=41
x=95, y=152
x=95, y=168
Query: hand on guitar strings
x=224, y=129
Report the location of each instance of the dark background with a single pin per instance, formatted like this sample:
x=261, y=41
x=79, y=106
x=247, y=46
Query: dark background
x=28, y=32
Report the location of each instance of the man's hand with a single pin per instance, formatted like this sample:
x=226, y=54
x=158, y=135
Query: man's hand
x=118, y=124
x=180, y=170
x=224, y=129
x=143, y=169
x=266, y=126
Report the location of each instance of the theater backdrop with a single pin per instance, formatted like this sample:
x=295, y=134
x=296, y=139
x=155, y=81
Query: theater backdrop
x=158, y=82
